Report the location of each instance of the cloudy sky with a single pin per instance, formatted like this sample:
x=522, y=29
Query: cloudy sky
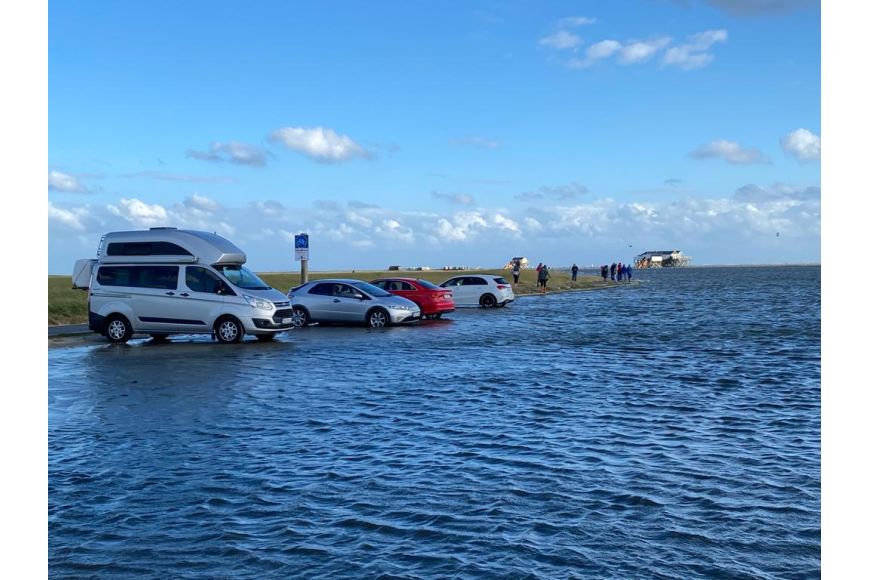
x=452, y=133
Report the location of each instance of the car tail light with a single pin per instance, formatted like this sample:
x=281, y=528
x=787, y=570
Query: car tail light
x=502, y=286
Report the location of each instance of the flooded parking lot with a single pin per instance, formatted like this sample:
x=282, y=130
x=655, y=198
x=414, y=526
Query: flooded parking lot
x=664, y=428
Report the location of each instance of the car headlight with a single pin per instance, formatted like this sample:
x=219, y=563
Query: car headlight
x=401, y=307
x=258, y=302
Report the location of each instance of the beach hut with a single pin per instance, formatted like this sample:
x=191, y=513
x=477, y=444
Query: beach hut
x=661, y=259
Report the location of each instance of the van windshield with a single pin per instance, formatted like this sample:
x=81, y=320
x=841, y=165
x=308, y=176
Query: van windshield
x=241, y=277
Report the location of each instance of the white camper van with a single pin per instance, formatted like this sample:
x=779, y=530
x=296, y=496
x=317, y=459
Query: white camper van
x=166, y=281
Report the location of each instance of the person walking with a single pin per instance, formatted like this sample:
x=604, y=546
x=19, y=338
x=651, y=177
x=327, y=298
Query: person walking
x=516, y=271
x=543, y=276
x=538, y=271
x=613, y=272
x=628, y=272
x=619, y=272
x=604, y=273
x=574, y=270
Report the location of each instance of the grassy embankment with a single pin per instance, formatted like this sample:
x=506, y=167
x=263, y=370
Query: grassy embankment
x=68, y=306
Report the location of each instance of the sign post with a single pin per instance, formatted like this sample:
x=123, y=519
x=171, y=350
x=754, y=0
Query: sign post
x=301, y=243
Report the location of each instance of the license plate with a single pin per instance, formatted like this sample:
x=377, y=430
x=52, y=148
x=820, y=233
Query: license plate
x=286, y=320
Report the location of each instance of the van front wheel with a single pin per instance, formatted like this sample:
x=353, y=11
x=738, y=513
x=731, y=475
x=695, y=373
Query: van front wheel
x=229, y=330
x=118, y=329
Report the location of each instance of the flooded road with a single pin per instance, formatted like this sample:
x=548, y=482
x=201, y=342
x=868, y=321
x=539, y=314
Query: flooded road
x=667, y=429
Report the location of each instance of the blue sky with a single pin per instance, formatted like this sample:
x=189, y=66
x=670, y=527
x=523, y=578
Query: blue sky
x=434, y=134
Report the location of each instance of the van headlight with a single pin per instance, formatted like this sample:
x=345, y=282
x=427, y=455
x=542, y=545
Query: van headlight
x=258, y=302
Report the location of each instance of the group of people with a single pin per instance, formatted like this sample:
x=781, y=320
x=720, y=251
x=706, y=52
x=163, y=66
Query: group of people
x=543, y=276
x=618, y=272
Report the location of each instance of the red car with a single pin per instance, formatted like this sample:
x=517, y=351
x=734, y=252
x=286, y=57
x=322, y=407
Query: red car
x=432, y=300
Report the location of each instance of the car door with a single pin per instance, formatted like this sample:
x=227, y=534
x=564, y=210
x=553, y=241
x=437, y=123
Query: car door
x=459, y=289
x=463, y=292
x=477, y=287
x=199, y=297
x=347, y=307
x=155, y=297
x=319, y=301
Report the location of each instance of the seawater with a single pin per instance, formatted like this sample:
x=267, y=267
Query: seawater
x=666, y=429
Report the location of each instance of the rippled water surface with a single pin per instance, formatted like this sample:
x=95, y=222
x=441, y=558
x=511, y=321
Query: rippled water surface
x=669, y=429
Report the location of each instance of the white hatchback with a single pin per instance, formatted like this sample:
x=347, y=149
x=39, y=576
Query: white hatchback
x=482, y=290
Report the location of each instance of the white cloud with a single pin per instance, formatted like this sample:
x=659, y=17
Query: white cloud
x=802, y=144
x=561, y=40
x=641, y=51
x=391, y=228
x=693, y=54
x=232, y=152
x=560, y=192
x=269, y=207
x=72, y=219
x=572, y=21
x=140, y=213
x=320, y=144
x=457, y=198
x=730, y=151
x=66, y=183
x=202, y=203
x=776, y=192
x=632, y=52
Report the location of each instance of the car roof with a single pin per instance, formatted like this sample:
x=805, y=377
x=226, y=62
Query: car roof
x=342, y=280
x=398, y=278
x=476, y=276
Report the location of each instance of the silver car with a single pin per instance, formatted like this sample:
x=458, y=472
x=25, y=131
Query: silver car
x=353, y=301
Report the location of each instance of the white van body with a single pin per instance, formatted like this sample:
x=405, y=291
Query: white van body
x=166, y=281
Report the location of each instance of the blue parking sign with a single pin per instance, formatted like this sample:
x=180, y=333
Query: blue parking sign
x=301, y=243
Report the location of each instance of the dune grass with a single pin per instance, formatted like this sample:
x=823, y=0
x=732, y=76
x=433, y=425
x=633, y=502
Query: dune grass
x=68, y=306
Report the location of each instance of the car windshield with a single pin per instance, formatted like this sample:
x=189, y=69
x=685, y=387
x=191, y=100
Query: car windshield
x=427, y=284
x=241, y=277
x=371, y=289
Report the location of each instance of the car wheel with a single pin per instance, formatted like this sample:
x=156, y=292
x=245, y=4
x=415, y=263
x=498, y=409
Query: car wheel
x=487, y=301
x=118, y=329
x=229, y=330
x=266, y=337
x=300, y=317
x=377, y=318
x=437, y=316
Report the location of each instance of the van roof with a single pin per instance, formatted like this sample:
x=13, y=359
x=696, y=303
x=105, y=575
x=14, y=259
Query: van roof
x=204, y=247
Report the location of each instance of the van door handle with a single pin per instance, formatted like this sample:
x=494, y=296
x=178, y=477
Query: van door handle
x=185, y=294
x=170, y=293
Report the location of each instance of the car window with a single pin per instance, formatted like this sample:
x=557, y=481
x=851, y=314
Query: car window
x=199, y=279
x=406, y=286
x=382, y=284
x=163, y=277
x=453, y=282
x=427, y=284
x=500, y=280
x=371, y=290
x=324, y=289
x=344, y=291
